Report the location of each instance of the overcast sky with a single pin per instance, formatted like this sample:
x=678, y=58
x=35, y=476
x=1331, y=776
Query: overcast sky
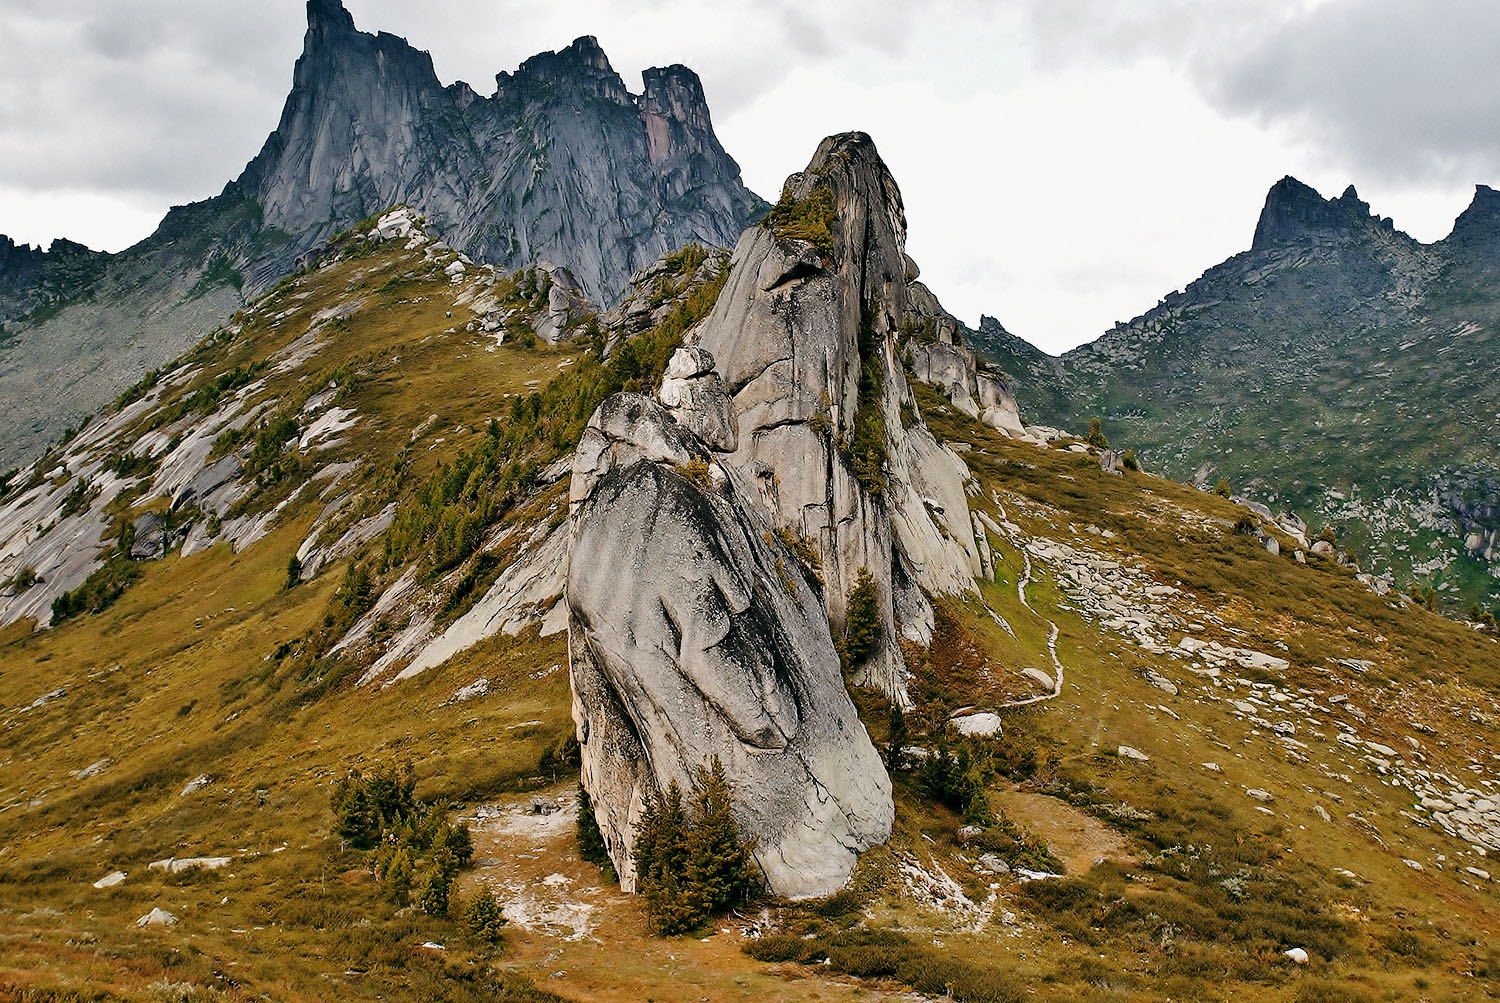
x=1065, y=163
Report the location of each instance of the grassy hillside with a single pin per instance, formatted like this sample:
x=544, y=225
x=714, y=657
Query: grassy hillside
x=208, y=713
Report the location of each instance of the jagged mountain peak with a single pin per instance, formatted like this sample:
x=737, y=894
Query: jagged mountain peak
x=329, y=16
x=581, y=66
x=1294, y=211
x=1479, y=223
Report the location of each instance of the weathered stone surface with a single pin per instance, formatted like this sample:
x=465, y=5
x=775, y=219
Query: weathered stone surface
x=694, y=634
x=786, y=334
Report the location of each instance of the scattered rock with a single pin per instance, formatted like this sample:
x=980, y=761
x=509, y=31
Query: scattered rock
x=111, y=879
x=1260, y=795
x=473, y=691
x=1126, y=752
x=196, y=784
x=1041, y=677
x=985, y=723
x=1296, y=954
x=990, y=863
x=157, y=917
x=1161, y=682
x=175, y=865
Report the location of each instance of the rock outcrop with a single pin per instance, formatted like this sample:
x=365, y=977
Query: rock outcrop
x=719, y=530
x=694, y=633
x=562, y=163
x=808, y=339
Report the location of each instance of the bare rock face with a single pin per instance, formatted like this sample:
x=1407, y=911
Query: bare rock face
x=694, y=633
x=805, y=338
x=561, y=163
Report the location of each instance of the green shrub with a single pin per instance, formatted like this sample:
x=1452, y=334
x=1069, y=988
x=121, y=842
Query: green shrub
x=99, y=591
x=782, y=947
x=810, y=219
x=79, y=498
x=1096, y=437
x=482, y=916
x=867, y=450
x=1131, y=460
x=1222, y=489
x=862, y=623
x=687, y=260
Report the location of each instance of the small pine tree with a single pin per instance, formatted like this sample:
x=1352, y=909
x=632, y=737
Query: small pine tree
x=719, y=870
x=358, y=824
x=661, y=864
x=862, y=626
x=434, y=898
x=1096, y=436
x=397, y=879
x=458, y=842
x=1222, y=489
x=482, y=917
x=896, y=742
x=293, y=572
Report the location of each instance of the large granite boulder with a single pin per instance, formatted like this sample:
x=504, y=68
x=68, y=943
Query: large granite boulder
x=695, y=633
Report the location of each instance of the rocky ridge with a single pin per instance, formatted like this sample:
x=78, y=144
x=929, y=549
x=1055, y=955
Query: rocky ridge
x=1316, y=372
x=562, y=164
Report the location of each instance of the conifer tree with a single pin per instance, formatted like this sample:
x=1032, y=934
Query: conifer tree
x=398, y=876
x=896, y=742
x=862, y=627
x=482, y=917
x=718, y=871
x=1096, y=437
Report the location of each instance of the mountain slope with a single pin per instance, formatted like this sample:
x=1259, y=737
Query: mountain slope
x=1209, y=753
x=562, y=164
x=1338, y=369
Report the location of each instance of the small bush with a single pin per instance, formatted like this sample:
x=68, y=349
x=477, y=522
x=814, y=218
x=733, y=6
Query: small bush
x=482, y=916
x=862, y=625
x=782, y=947
x=810, y=219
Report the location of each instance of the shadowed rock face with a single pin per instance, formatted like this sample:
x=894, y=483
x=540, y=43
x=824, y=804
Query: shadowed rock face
x=693, y=634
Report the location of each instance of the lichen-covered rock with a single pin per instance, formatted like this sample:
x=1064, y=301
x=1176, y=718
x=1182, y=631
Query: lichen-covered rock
x=694, y=633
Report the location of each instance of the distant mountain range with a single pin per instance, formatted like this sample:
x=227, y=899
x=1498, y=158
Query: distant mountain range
x=1339, y=369
x=562, y=163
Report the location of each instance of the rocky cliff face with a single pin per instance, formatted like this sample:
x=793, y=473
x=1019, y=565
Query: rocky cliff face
x=806, y=340
x=561, y=164
x=785, y=455
x=718, y=647
x=1338, y=369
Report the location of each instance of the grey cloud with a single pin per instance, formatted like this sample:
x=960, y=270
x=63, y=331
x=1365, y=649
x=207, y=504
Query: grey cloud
x=151, y=98
x=1403, y=91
